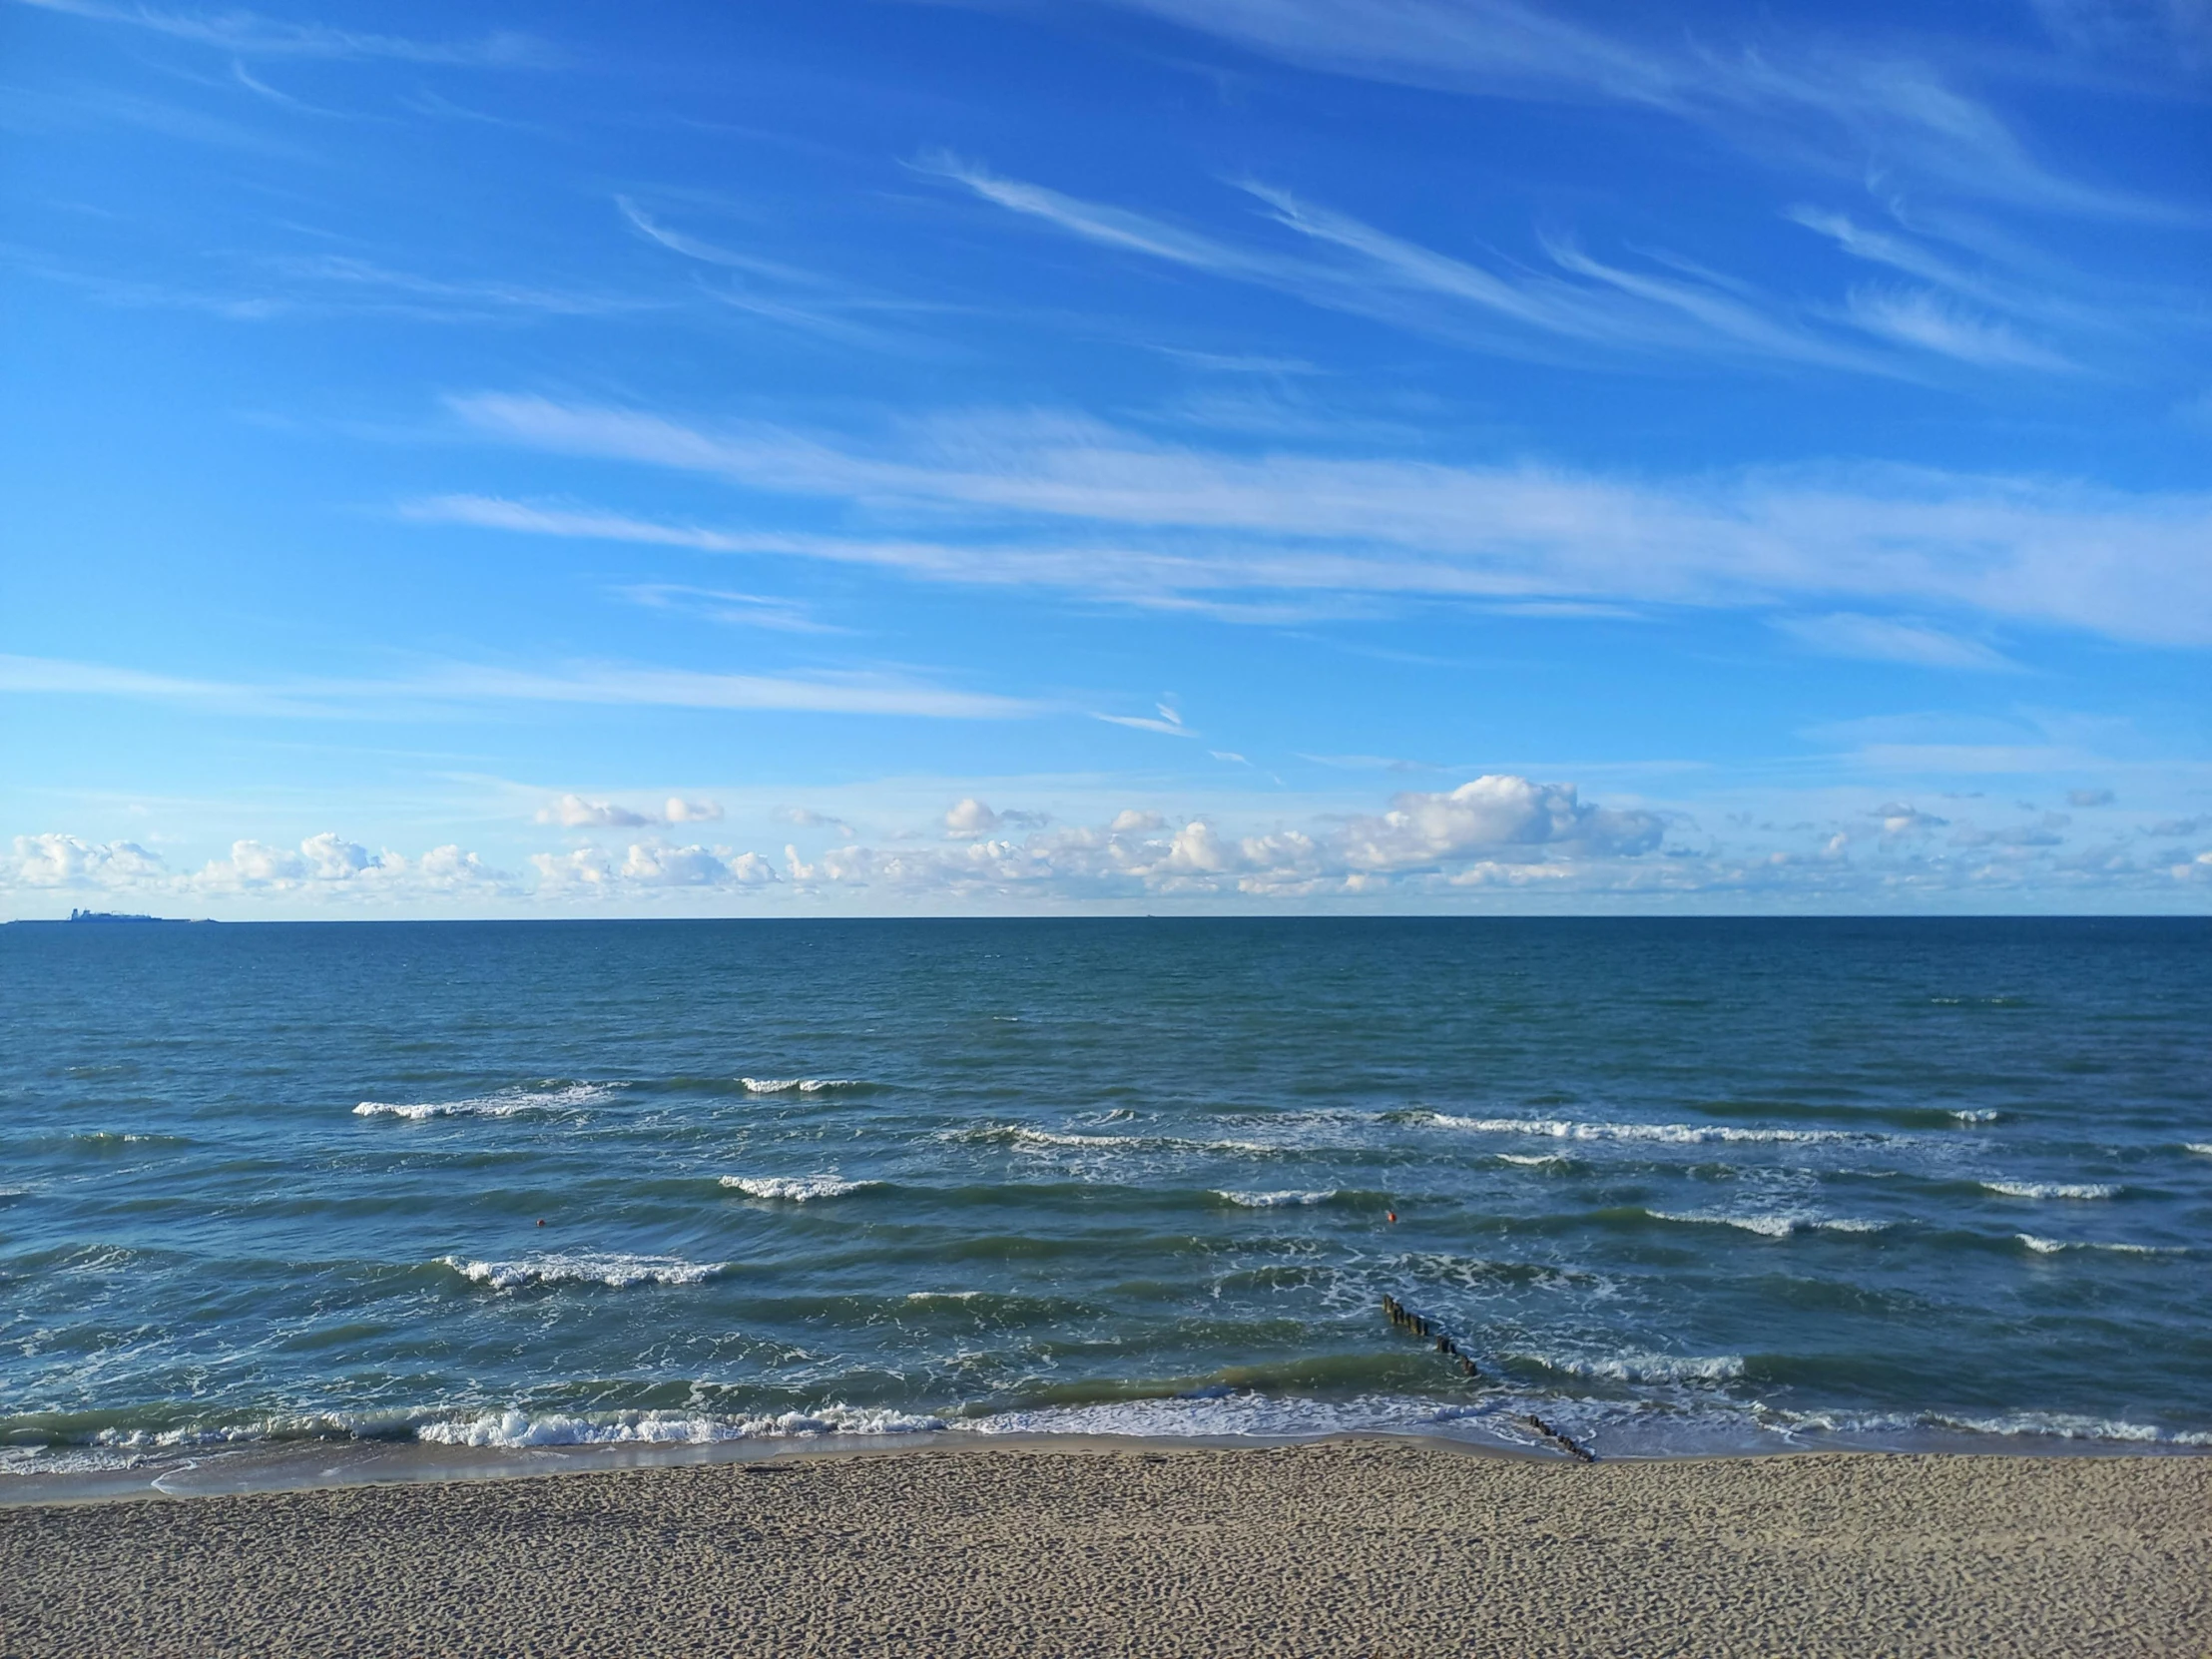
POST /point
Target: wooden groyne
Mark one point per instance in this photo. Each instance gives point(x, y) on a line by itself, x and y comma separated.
point(1428, 1329)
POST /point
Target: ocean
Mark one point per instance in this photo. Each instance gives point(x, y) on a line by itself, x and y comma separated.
point(1670, 1187)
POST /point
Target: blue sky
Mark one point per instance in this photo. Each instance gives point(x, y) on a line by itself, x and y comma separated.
point(1257, 456)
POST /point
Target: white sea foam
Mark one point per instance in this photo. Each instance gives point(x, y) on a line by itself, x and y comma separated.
point(1532, 1159)
point(2049, 1189)
point(796, 1189)
point(504, 1104)
point(616, 1272)
point(1680, 1134)
point(519, 1429)
point(1215, 1413)
point(2069, 1426)
point(1275, 1200)
point(1045, 1137)
point(64, 1460)
point(796, 1085)
point(2051, 1247)
point(1976, 1115)
point(1650, 1367)
point(943, 1296)
point(1770, 1225)
point(1046, 1140)
point(319, 1426)
point(2203, 1148)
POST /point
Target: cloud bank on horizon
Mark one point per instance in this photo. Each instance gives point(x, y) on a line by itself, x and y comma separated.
point(1207, 454)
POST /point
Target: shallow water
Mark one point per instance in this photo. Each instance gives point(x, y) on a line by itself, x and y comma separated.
point(1675, 1186)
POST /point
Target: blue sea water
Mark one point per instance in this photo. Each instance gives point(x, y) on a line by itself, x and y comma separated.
point(1676, 1186)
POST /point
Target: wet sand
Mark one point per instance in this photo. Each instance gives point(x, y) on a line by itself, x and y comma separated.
point(1362, 1547)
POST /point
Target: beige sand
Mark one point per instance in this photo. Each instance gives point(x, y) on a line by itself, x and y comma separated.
point(1356, 1548)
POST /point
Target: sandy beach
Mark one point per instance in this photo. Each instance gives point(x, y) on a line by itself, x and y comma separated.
point(1364, 1547)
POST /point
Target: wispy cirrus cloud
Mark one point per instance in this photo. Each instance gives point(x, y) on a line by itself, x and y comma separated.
point(773, 290)
point(1894, 640)
point(464, 682)
point(1167, 728)
point(251, 34)
point(1790, 99)
point(741, 610)
point(1924, 319)
point(1579, 303)
point(293, 287)
point(1051, 502)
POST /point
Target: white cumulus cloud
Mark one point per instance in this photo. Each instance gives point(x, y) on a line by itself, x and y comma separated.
point(573, 811)
point(55, 861)
point(969, 816)
point(649, 864)
point(327, 865)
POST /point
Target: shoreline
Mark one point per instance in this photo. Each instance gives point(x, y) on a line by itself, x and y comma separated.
point(1360, 1544)
point(250, 1467)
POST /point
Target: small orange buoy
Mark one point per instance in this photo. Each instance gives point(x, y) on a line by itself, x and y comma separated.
point(1393, 1214)
point(541, 1223)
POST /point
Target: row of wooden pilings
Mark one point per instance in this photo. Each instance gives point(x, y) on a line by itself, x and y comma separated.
point(1420, 1325)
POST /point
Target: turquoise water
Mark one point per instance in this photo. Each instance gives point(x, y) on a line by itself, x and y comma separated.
point(1676, 1186)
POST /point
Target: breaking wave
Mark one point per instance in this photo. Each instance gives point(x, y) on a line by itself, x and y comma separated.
point(797, 1085)
point(1276, 1201)
point(519, 1429)
point(1771, 1226)
point(616, 1272)
point(2051, 1247)
point(2049, 1189)
point(1680, 1134)
point(796, 1189)
point(1042, 1140)
point(2067, 1425)
point(1647, 1368)
point(503, 1104)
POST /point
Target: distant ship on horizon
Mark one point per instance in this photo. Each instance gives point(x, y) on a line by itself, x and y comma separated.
point(118, 916)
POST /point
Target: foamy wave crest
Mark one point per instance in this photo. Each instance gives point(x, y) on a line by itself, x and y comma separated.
point(1223, 1413)
point(2203, 1148)
point(1769, 1226)
point(1532, 1160)
point(1650, 1367)
point(504, 1104)
point(1680, 1134)
point(1046, 1140)
point(796, 1189)
point(616, 1272)
point(1976, 1115)
point(2049, 1189)
point(519, 1429)
point(2051, 1247)
point(2069, 1426)
point(1276, 1201)
point(796, 1085)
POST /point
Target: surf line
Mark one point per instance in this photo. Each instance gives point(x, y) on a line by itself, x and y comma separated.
point(1420, 1325)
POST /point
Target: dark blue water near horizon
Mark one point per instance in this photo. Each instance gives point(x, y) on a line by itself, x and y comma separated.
point(1676, 1185)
